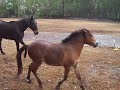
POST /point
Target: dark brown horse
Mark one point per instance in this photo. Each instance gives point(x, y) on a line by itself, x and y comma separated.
point(14, 30)
point(64, 54)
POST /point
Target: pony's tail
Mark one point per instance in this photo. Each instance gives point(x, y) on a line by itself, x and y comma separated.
point(25, 54)
point(18, 56)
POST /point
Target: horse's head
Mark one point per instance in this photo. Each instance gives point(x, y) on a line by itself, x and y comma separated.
point(33, 25)
point(89, 38)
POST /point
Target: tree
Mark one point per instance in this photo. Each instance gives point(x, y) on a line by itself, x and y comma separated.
point(98, 9)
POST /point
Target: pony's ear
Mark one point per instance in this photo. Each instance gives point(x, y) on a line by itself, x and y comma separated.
point(84, 32)
point(32, 17)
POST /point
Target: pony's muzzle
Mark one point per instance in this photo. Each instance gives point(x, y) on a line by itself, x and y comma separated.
point(95, 44)
point(36, 32)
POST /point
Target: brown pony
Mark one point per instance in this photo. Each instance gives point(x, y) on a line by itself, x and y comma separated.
point(64, 54)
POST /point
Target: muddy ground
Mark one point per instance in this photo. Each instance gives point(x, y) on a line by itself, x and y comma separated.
point(99, 67)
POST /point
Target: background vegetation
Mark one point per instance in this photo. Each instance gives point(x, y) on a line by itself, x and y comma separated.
point(94, 9)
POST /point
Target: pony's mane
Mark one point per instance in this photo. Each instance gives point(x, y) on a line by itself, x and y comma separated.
point(24, 19)
point(74, 35)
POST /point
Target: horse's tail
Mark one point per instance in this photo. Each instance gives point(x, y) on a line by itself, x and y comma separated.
point(18, 56)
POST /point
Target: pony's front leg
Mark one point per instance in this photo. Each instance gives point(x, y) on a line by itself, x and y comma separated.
point(66, 72)
point(19, 64)
point(20, 69)
point(76, 67)
point(17, 45)
point(22, 42)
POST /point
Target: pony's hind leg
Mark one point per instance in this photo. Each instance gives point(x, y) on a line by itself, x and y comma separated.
point(66, 72)
point(29, 72)
point(34, 67)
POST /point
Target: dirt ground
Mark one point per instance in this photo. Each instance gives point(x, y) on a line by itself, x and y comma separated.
point(69, 25)
point(99, 67)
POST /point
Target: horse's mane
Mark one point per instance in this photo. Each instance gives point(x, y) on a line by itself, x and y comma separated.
point(74, 35)
point(24, 19)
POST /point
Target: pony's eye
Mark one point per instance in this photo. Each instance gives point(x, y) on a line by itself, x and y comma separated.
point(90, 35)
point(35, 23)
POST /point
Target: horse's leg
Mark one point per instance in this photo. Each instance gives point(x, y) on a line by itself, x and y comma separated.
point(1, 47)
point(34, 67)
point(18, 62)
point(66, 72)
point(17, 45)
point(20, 68)
point(78, 76)
point(22, 42)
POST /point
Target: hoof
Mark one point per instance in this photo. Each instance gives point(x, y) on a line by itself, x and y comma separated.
point(82, 87)
point(29, 81)
point(3, 53)
point(18, 77)
point(57, 88)
point(40, 86)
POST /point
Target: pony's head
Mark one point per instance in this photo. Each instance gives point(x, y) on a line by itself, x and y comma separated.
point(82, 35)
point(89, 38)
point(32, 24)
